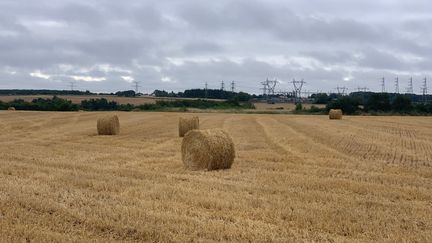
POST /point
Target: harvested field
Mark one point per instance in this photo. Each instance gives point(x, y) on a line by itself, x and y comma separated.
point(295, 178)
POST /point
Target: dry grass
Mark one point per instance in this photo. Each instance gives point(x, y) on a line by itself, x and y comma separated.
point(295, 178)
point(335, 114)
point(186, 124)
point(211, 149)
point(108, 125)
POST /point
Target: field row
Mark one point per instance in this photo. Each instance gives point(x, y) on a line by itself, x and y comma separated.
point(298, 178)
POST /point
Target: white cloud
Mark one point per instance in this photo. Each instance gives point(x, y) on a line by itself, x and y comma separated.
point(127, 78)
point(167, 79)
point(38, 74)
point(107, 68)
point(88, 78)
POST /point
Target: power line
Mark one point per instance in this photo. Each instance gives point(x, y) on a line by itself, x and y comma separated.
point(264, 88)
point(308, 93)
point(269, 87)
point(137, 86)
point(232, 86)
point(72, 85)
point(397, 85)
point(222, 85)
point(424, 89)
point(362, 89)
point(205, 90)
point(272, 86)
point(341, 90)
point(383, 90)
point(298, 85)
point(410, 88)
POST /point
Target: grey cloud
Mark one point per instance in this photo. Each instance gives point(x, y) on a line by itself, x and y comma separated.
point(380, 60)
point(200, 47)
point(218, 40)
point(330, 57)
point(78, 13)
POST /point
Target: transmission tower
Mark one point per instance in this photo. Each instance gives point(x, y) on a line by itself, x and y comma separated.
point(341, 90)
point(269, 87)
point(72, 85)
point(205, 90)
point(298, 85)
point(222, 85)
point(137, 86)
point(383, 85)
point(308, 93)
point(285, 94)
point(232, 86)
point(362, 89)
point(264, 88)
point(424, 89)
point(410, 88)
point(397, 85)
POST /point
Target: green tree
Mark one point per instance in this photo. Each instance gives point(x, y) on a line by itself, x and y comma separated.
point(402, 103)
point(347, 104)
point(127, 93)
point(99, 105)
point(378, 102)
point(321, 98)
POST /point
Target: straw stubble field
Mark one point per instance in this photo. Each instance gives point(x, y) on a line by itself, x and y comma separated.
point(298, 178)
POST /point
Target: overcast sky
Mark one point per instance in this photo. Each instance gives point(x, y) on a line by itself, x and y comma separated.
point(180, 44)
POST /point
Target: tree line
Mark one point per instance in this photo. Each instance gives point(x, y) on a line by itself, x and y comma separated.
point(354, 103)
point(43, 92)
point(102, 104)
point(190, 93)
point(126, 93)
point(206, 94)
point(379, 103)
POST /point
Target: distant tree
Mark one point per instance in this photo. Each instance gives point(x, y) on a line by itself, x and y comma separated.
point(3, 105)
point(43, 92)
point(160, 93)
point(423, 108)
point(347, 104)
point(127, 93)
point(54, 104)
point(214, 94)
point(99, 105)
point(320, 98)
point(402, 103)
point(378, 102)
point(243, 97)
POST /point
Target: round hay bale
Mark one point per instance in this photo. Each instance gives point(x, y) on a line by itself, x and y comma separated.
point(207, 149)
point(335, 114)
point(108, 125)
point(11, 108)
point(187, 124)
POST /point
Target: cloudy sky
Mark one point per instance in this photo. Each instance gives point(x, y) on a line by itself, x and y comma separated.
point(180, 44)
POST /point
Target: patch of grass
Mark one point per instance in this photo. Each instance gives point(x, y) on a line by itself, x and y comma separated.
point(313, 110)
